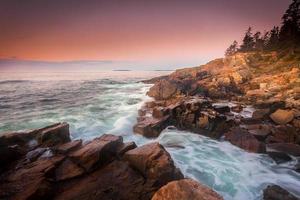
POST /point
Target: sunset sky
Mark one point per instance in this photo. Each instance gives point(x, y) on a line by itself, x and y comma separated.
point(143, 32)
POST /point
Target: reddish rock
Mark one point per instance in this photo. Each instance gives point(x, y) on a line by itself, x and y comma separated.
point(154, 162)
point(67, 169)
point(260, 113)
point(68, 147)
point(126, 147)
point(284, 134)
point(276, 192)
point(243, 139)
point(186, 189)
point(162, 90)
point(237, 108)
point(96, 152)
point(151, 127)
point(282, 116)
point(54, 134)
point(159, 112)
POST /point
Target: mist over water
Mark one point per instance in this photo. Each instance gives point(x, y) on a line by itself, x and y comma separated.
point(94, 103)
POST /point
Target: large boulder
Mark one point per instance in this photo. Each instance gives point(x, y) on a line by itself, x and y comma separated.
point(97, 151)
point(275, 192)
point(245, 140)
point(185, 189)
point(154, 162)
point(282, 116)
point(162, 90)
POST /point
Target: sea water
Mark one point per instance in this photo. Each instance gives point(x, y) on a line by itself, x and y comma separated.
point(94, 103)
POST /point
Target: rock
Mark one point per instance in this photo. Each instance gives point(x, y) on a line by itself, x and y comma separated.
point(243, 139)
point(154, 162)
point(260, 113)
point(284, 134)
point(54, 134)
point(67, 169)
point(159, 112)
point(260, 134)
point(221, 108)
point(276, 192)
point(282, 116)
point(9, 154)
point(35, 154)
point(126, 147)
point(142, 112)
point(237, 108)
point(288, 148)
point(278, 157)
point(68, 147)
point(296, 123)
point(96, 152)
point(185, 189)
point(162, 90)
point(151, 127)
point(203, 121)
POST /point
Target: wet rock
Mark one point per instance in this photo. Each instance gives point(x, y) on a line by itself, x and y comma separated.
point(185, 189)
point(283, 134)
point(260, 134)
point(288, 148)
point(243, 139)
point(151, 127)
point(126, 147)
point(221, 108)
point(275, 192)
point(67, 169)
point(96, 152)
point(54, 134)
point(237, 108)
point(154, 162)
point(68, 147)
point(278, 157)
point(260, 113)
point(9, 154)
point(282, 116)
point(35, 154)
point(162, 90)
point(159, 112)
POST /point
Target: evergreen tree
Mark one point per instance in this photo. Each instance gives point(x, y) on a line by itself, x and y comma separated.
point(232, 49)
point(290, 30)
point(258, 41)
point(248, 41)
point(273, 41)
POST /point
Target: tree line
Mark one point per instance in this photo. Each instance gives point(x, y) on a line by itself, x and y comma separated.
point(285, 37)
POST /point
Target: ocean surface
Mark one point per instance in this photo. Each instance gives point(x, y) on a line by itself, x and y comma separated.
point(94, 103)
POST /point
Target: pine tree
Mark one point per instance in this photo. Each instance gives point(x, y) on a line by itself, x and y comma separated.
point(273, 40)
point(290, 30)
point(258, 41)
point(232, 49)
point(248, 41)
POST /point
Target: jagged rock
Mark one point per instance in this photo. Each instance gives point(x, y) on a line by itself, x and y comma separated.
point(154, 162)
point(162, 90)
point(185, 189)
point(54, 135)
point(96, 152)
point(126, 147)
point(159, 112)
point(283, 134)
point(151, 127)
point(282, 116)
point(260, 113)
point(221, 108)
point(275, 192)
point(243, 139)
point(288, 148)
point(237, 108)
point(67, 147)
point(68, 169)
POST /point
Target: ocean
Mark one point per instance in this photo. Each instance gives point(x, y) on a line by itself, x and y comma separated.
point(94, 103)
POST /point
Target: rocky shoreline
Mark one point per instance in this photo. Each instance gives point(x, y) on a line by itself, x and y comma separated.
point(228, 99)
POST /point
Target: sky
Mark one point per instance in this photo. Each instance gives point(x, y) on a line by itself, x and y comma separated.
point(136, 33)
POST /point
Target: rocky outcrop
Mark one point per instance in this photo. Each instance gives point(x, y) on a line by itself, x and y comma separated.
point(282, 116)
point(104, 168)
point(163, 90)
point(275, 192)
point(186, 189)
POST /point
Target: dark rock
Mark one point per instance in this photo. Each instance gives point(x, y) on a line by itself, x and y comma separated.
point(288, 148)
point(276, 192)
point(261, 133)
point(96, 152)
point(186, 189)
point(284, 134)
point(243, 139)
point(35, 154)
point(154, 162)
point(237, 108)
point(279, 157)
point(54, 134)
point(151, 127)
point(126, 147)
point(260, 113)
point(67, 169)
point(68, 147)
point(221, 108)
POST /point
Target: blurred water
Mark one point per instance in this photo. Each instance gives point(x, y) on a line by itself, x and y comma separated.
point(95, 103)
